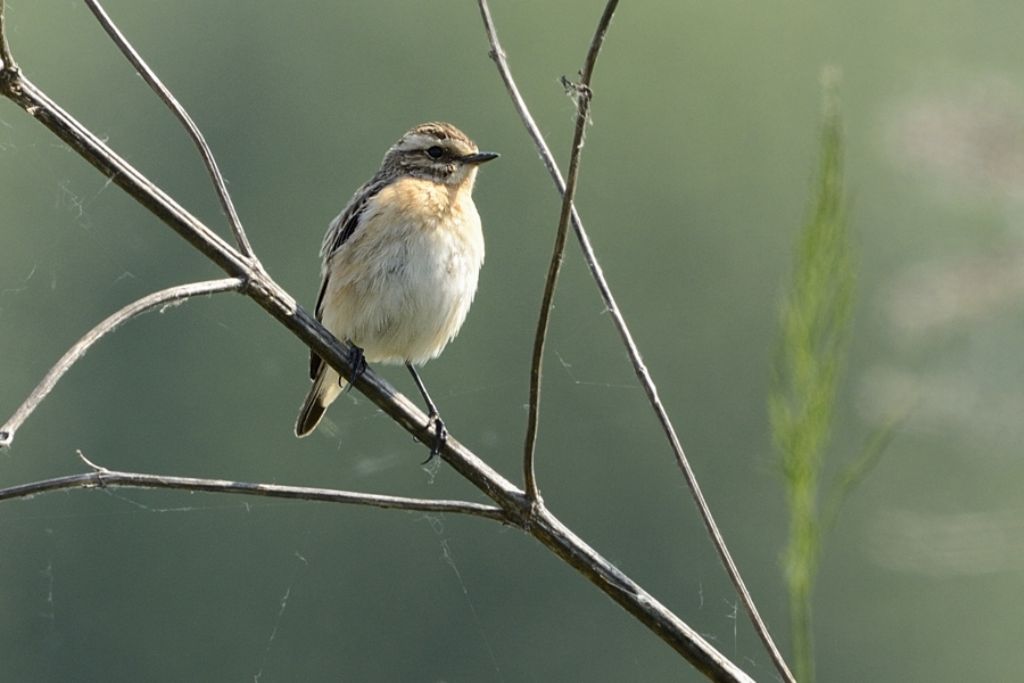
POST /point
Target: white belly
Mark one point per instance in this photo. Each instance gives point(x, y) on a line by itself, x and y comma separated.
point(403, 299)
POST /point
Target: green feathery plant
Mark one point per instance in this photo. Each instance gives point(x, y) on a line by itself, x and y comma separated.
point(814, 328)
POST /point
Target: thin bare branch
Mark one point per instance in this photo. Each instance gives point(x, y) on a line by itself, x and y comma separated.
point(262, 289)
point(101, 477)
point(644, 376)
point(165, 297)
point(497, 54)
point(582, 94)
point(179, 112)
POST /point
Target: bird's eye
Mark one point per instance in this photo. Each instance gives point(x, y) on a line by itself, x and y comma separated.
point(435, 152)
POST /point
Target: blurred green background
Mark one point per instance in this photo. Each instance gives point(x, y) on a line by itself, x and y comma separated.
point(695, 181)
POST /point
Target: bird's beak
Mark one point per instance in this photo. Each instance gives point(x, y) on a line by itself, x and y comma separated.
point(479, 157)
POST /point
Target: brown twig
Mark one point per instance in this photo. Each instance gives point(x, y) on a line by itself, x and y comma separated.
point(179, 112)
point(165, 297)
point(101, 477)
point(582, 94)
point(643, 374)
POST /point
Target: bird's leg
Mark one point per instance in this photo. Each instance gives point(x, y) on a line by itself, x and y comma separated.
point(358, 362)
point(432, 415)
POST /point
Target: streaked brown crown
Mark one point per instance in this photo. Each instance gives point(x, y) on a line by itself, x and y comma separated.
point(435, 151)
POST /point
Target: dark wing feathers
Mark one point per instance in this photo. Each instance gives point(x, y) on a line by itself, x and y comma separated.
point(340, 229)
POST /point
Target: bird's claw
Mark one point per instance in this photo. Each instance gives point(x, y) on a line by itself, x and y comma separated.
point(358, 362)
point(440, 436)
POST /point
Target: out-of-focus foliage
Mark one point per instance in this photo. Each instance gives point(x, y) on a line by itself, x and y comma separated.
point(814, 332)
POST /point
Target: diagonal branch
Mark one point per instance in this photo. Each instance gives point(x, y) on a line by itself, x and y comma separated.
point(643, 374)
point(179, 112)
point(101, 477)
point(165, 297)
point(582, 95)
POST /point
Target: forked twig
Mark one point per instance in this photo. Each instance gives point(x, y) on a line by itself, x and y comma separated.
point(501, 61)
point(179, 112)
point(582, 95)
point(164, 297)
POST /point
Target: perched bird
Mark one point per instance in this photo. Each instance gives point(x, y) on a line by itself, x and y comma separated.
point(400, 263)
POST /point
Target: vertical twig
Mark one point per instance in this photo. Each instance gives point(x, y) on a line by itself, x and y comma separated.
point(582, 95)
point(6, 57)
point(644, 376)
point(179, 112)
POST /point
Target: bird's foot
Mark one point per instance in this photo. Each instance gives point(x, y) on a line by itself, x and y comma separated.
point(440, 436)
point(358, 362)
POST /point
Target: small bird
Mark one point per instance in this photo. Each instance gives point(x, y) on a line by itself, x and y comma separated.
point(400, 264)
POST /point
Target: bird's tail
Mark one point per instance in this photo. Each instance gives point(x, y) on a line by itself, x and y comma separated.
point(322, 394)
